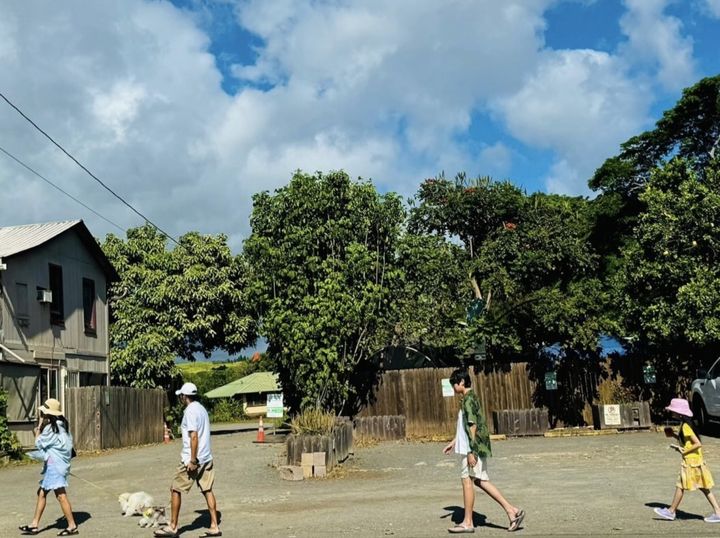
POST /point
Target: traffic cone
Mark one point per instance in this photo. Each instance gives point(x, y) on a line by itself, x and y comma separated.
point(260, 432)
point(166, 434)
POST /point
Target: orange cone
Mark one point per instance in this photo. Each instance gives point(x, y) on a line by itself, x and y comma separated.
point(261, 432)
point(166, 434)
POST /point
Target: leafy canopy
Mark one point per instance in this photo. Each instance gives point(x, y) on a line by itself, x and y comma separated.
point(173, 303)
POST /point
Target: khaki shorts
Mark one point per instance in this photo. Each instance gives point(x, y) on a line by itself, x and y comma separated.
point(479, 471)
point(203, 475)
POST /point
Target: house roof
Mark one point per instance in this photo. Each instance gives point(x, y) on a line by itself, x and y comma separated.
point(17, 239)
point(253, 383)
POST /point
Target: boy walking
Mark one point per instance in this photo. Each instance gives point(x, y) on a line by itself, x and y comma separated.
point(472, 444)
point(196, 464)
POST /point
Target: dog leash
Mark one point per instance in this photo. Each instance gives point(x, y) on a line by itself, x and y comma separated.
point(93, 484)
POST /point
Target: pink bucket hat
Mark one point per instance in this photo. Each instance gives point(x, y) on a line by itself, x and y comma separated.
point(680, 406)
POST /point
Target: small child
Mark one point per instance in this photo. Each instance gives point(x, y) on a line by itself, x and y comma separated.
point(694, 474)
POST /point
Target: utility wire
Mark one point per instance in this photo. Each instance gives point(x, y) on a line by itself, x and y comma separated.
point(46, 180)
point(88, 171)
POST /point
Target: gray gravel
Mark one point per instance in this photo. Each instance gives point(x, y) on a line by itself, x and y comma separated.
point(583, 486)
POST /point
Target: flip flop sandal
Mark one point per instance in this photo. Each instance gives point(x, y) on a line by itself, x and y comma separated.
point(208, 534)
point(515, 523)
point(166, 531)
point(68, 532)
point(461, 529)
point(27, 529)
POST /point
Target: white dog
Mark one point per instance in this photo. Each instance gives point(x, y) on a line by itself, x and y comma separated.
point(135, 503)
point(153, 517)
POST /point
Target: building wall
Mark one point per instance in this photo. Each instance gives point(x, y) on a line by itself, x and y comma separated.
point(37, 338)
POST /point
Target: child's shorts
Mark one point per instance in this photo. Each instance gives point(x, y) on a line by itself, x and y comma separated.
point(479, 471)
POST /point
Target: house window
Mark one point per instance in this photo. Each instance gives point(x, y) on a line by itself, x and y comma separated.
point(48, 387)
point(57, 307)
point(22, 312)
point(89, 314)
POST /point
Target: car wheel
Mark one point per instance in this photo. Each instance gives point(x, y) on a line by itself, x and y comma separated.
point(701, 416)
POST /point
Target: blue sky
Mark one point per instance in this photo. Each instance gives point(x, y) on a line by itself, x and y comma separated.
point(189, 107)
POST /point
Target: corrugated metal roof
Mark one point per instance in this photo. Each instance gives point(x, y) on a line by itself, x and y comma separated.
point(16, 239)
point(253, 383)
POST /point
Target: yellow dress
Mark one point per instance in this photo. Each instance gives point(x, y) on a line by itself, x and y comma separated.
point(694, 474)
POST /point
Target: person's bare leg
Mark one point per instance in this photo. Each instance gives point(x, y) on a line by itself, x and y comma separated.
point(710, 496)
point(212, 509)
point(468, 501)
point(39, 507)
point(676, 499)
point(175, 502)
point(65, 507)
point(489, 488)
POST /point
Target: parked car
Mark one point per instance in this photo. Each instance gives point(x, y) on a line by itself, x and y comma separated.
point(705, 391)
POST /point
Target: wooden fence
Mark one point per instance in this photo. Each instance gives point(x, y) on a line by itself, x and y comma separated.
point(417, 394)
point(379, 428)
point(113, 417)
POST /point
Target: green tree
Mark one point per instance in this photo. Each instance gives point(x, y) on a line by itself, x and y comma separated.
point(668, 287)
point(690, 130)
point(322, 250)
point(174, 303)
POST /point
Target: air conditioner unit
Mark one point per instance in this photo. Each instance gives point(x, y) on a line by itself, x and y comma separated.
point(44, 296)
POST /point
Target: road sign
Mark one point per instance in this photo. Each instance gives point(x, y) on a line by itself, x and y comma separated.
point(275, 405)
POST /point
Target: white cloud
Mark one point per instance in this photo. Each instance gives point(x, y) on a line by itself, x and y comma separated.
point(713, 6)
point(494, 160)
point(581, 104)
point(657, 38)
point(381, 89)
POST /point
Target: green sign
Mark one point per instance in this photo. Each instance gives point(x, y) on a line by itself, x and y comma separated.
point(475, 309)
point(649, 374)
point(550, 381)
point(275, 405)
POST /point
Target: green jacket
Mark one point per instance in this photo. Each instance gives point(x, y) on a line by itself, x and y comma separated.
point(473, 414)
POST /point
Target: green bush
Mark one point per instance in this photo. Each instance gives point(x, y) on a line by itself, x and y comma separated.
point(227, 410)
point(9, 443)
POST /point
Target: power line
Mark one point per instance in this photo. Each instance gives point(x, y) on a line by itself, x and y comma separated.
point(50, 138)
point(46, 180)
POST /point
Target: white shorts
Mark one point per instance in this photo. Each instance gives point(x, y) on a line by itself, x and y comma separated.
point(479, 471)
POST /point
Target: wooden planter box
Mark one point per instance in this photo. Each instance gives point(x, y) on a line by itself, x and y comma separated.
point(337, 445)
point(518, 422)
point(622, 416)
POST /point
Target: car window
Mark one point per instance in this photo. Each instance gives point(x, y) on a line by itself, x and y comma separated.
point(714, 371)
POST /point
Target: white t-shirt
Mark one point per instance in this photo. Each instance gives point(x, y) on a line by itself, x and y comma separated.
point(196, 419)
point(462, 444)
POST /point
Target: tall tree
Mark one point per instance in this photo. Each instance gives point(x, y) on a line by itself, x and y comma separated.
point(322, 250)
point(668, 289)
point(690, 130)
point(174, 303)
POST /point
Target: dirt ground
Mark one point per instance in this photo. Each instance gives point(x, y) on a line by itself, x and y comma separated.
point(584, 486)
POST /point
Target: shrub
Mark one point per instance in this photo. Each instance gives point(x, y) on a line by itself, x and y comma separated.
point(227, 410)
point(9, 443)
point(313, 421)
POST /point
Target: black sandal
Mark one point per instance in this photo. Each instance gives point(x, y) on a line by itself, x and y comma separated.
point(68, 532)
point(27, 529)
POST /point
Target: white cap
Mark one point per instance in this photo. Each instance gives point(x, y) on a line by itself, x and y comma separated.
point(188, 389)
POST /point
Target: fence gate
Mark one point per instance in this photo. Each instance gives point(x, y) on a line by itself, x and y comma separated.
point(104, 417)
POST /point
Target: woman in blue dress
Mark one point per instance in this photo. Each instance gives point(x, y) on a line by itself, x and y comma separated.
point(54, 448)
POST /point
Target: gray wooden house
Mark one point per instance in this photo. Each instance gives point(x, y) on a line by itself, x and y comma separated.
point(53, 316)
